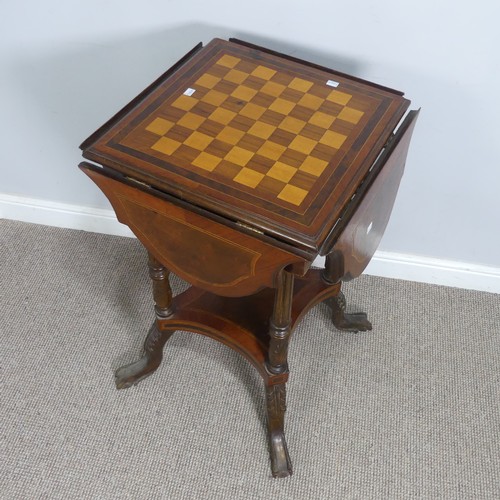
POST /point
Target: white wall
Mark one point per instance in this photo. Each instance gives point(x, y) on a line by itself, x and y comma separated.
point(66, 66)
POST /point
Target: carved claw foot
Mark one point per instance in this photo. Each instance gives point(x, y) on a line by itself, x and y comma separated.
point(353, 322)
point(132, 374)
point(281, 465)
point(356, 322)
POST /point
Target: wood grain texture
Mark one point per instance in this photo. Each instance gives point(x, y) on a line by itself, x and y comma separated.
point(242, 323)
point(366, 225)
point(203, 252)
point(255, 137)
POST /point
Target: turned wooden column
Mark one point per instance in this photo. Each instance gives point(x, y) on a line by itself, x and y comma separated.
point(334, 268)
point(279, 325)
point(162, 293)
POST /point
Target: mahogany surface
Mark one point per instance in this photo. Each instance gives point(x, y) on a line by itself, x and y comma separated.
point(236, 169)
point(370, 210)
point(276, 144)
point(203, 252)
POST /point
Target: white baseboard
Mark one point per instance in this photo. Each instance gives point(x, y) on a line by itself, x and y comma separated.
point(436, 271)
point(386, 264)
point(51, 213)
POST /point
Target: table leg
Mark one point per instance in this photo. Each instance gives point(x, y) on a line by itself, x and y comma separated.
point(131, 374)
point(277, 364)
point(354, 322)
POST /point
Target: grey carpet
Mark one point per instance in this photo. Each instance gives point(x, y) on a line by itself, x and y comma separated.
point(409, 410)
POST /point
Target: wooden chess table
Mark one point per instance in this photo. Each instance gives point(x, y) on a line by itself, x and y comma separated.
point(236, 169)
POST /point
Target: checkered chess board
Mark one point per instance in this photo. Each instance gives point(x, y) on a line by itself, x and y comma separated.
point(252, 127)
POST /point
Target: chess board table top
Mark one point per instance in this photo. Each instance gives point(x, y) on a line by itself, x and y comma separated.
point(272, 142)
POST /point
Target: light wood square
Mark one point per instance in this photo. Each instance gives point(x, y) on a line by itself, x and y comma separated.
point(207, 81)
point(282, 106)
point(313, 166)
point(165, 145)
point(321, 119)
point(281, 171)
point(239, 156)
point(339, 97)
point(263, 72)
point(159, 126)
point(245, 93)
point(300, 84)
point(236, 76)
point(292, 125)
point(191, 121)
point(184, 102)
point(206, 161)
point(214, 97)
point(293, 194)
point(199, 141)
point(262, 130)
point(228, 61)
point(249, 177)
point(311, 101)
point(333, 139)
point(221, 115)
point(252, 111)
point(350, 115)
point(271, 150)
point(230, 135)
point(303, 144)
point(273, 88)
